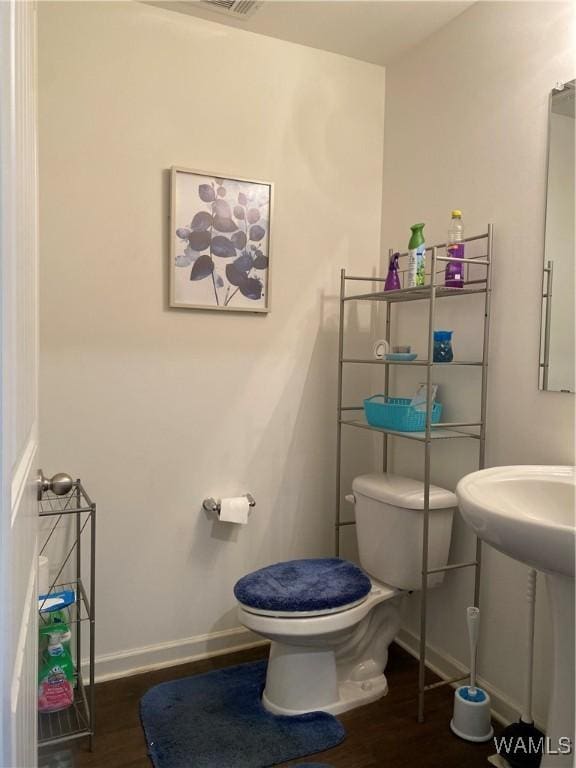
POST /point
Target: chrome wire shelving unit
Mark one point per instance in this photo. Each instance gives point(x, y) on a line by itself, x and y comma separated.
point(77, 721)
point(479, 282)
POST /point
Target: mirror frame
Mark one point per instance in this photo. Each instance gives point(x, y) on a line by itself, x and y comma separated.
point(548, 265)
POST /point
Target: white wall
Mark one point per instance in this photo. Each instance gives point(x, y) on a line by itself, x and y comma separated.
point(466, 124)
point(157, 408)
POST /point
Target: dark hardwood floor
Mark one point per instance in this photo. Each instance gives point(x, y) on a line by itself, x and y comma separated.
point(380, 735)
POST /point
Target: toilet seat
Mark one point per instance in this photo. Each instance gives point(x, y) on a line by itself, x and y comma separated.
point(302, 614)
point(321, 624)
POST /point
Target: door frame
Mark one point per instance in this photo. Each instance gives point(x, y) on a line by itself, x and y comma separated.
point(18, 382)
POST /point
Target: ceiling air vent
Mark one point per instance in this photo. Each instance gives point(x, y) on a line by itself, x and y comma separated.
point(239, 9)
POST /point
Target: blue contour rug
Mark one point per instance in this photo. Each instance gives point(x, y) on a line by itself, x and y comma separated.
point(216, 720)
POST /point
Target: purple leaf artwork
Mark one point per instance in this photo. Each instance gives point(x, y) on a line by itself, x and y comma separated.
point(220, 242)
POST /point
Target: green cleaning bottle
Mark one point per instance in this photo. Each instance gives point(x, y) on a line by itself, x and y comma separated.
point(416, 257)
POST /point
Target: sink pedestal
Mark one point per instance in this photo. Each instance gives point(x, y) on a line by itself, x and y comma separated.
point(561, 712)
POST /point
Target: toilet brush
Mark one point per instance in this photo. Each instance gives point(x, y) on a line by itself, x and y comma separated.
point(471, 720)
point(521, 742)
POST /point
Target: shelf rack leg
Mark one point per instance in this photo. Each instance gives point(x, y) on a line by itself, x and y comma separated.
point(484, 395)
point(78, 659)
point(426, 511)
point(338, 499)
point(92, 622)
point(387, 375)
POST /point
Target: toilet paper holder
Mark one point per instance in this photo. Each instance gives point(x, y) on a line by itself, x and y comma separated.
point(211, 505)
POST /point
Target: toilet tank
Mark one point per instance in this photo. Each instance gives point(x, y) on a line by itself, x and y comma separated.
point(389, 522)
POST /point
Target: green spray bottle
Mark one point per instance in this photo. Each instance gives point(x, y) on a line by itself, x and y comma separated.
point(416, 257)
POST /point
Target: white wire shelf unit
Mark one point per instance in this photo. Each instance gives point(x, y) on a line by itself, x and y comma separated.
point(77, 721)
point(479, 282)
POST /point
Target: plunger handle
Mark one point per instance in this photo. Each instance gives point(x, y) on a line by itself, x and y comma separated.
point(473, 617)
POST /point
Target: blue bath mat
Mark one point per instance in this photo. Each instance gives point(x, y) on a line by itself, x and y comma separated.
point(216, 720)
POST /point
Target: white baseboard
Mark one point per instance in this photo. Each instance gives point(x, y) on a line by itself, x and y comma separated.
point(447, 667)
point(110, 666)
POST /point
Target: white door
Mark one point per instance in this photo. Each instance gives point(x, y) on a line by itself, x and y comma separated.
point(18, 383)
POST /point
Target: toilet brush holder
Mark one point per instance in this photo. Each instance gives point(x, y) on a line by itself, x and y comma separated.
point(471, 720)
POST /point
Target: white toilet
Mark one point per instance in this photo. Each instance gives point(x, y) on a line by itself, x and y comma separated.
point(330, 622)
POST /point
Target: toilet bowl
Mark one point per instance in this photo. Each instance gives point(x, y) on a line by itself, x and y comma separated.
point(331, 622)
point(330, 660)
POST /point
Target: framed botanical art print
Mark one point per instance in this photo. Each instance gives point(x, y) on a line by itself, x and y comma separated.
point(219, 242)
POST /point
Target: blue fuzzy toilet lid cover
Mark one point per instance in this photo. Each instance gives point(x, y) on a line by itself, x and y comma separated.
point(316, 584)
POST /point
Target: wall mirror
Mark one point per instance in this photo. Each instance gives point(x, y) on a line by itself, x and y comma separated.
point(557, 337)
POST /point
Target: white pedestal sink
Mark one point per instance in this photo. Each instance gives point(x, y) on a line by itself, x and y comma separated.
point(528, 513)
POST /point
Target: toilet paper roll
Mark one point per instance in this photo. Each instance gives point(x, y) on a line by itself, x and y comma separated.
point(43, 575)
point(234, 510)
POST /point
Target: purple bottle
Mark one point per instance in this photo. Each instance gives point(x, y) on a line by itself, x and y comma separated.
point(393, 278)
point(454, 275)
